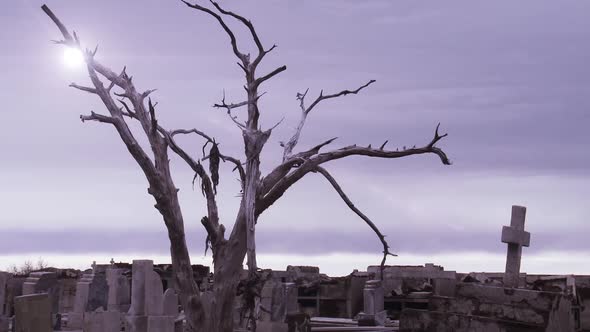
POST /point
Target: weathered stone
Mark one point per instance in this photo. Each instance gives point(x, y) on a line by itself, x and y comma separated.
point(140, 270)
point(291, 305)
point(506, 308)
point(516, 238)
point(444, 287)
point(33, 313)
point(136, 323)
point(413, 320)
point(3, 301)
point(119, 298)
point(43, 282)
point(399, 280)
point(3, 294)
point(170, 303)
point(102, 321)
point(67, 295)
point(373, 297)
point(154, 294)
point(161, 324)
point(97, 292)
point(373, 312)
point(76, 318)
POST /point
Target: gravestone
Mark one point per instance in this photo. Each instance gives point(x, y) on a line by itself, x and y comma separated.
point(170, 303)
point(161, 323)
point(154, 294)
point(119, 298)
point(91, 294)
point(280, 300)
point(3, 294)
point(147, 301)
point(516, 238)
point(32, 313)
point(373, 313)
point(140, 269)
point(3, 303)
point(43, 282)
point(76, 318)
point(102, 321)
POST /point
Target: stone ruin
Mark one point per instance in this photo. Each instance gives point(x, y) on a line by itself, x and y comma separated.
point(105, 299)
point(140, 297)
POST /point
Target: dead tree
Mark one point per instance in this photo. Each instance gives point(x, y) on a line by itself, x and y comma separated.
point(212, 310)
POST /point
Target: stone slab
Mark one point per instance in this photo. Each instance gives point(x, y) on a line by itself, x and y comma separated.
point(140, 269)
point(75, 320)
point(154, 294)
point(271, 327)
point(414, 320)
point(98, 291)
point(102, 321)
point(170, 303)
point(3, 294)
point(444, 287)
point(33, 313)
point(136, 323)
point(161, 324)
point(4, 323)
point(119, 297)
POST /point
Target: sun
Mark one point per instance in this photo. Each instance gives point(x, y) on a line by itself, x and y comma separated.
point(73, 57)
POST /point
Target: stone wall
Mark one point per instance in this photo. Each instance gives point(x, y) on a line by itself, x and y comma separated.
point(486, 308)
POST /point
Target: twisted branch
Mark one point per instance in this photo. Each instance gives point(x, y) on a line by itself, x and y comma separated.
point(273, 188)
point(290, 145)
point(368, 221)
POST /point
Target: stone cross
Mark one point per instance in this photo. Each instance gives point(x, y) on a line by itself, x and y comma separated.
point(516, 238)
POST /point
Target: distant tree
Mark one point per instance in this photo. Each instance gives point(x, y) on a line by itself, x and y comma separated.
point(212, 310)
point(28, 267)
point(41, 264)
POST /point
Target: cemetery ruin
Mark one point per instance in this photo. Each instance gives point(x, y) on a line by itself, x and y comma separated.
point(143, 297)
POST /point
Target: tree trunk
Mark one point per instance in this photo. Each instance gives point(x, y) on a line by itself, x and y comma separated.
point(213, 311)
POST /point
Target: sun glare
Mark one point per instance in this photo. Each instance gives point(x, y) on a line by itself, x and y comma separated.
point(73, 57)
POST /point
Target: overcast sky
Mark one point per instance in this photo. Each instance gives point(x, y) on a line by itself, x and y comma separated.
point(509, 82)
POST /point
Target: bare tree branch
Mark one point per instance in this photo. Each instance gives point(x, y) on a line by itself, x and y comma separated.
point(229, 32)
point(62, 28)
point(97, 117)
point(335, 95)
point(284, 168)
point(84, 88)
point(290, 145)
point(368, 221)
point(229, 108)
point(260, 80)
point(274, 187)
point(246, 22)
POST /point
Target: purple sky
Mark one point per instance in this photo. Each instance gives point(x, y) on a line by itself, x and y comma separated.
point(509, 83)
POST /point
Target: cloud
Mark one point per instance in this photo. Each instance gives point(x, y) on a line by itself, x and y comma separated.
point(414, 239)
